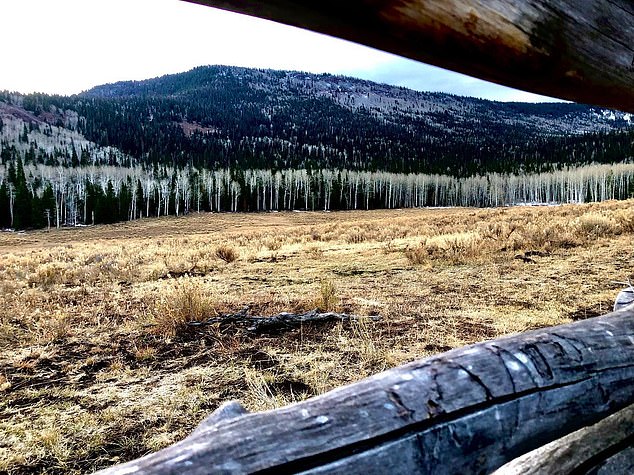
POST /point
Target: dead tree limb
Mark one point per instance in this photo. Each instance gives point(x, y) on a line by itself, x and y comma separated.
point(577, 50)
point(280, 322)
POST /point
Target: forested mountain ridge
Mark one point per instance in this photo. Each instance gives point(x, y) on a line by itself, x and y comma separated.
point(380, 100)
point(233, 139)
point(220, 116)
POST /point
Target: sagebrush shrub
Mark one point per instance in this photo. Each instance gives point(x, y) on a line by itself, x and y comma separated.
point(594, 225)
point(417, 255)
point(226, 253)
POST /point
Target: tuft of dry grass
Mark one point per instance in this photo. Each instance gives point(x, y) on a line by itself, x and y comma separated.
point(594, 225)
point(57, 327)
point(145, 352)
point(455, 247)
point(185, 303)
point(226, 253)
point(327, 300)
point(364, 340)
point(415, 255)
point(46, 276)
point(273, 244)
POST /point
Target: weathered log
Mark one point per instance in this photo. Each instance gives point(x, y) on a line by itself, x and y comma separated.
point(604, 444)
point(469, 410)
point(577, 50)
point(280, 322)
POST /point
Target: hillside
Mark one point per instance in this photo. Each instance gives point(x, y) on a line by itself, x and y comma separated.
point(218, 116)
point(50, 138)
point(234, 139)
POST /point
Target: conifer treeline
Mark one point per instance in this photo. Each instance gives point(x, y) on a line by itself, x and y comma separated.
point(224, 117)
point(37, 195)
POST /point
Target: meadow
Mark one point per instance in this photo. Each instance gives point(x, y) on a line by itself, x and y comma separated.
point(99, 363)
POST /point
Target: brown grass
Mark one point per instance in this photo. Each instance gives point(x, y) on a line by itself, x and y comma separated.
point(328, 300)
point(94, 322)
point(186, 302)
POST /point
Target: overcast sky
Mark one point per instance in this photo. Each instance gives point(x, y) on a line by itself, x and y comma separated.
point(67, 46)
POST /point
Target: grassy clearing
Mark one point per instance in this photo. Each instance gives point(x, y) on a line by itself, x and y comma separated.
point(93, 322)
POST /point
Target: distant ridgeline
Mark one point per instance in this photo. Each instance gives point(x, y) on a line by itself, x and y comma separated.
point(234, 139)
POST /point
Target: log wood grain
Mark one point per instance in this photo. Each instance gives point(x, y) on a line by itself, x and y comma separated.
point(577, 50)
point(469, 410)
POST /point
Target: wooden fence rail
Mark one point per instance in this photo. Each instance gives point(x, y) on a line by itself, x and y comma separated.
point(469, 410)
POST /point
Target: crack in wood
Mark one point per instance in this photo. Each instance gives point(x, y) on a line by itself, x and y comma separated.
point(528, 370)
point(539, 360)
point(474, 377)
point(568, 340)
point(402, 410)
point(621, 6)
point(434, 409)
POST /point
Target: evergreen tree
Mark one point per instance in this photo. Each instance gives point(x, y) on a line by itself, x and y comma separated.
point(124, 203)
point(107, 206)
point(11, 172)
point(5, 215)
point(24, 136)
point(74, 160)
point(22, 208)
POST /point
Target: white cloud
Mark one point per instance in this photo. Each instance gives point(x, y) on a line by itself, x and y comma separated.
point(66, 46)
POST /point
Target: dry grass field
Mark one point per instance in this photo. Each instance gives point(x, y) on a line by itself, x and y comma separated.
point(98, 364)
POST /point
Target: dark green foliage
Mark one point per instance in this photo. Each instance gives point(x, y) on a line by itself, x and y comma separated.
point(24, 137)
point(23, 202)
point(5, 211)
point(225, 117)
point(106, 205)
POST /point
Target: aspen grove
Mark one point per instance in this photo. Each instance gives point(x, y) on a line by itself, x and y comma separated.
point(70, 196)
